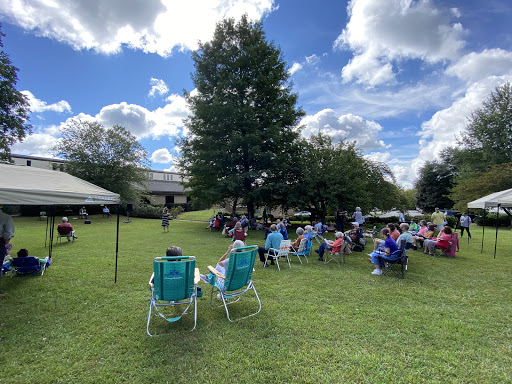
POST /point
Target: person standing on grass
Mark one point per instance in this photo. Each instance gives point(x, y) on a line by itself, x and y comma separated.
point(465, 221)
point(6, 234)
point(439, 219)
point(165, 219)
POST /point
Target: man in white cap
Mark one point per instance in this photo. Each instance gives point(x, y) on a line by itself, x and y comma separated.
point(6, 234)
point(65, 229)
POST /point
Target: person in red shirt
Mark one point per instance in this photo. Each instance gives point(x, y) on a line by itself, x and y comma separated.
point(65, 229)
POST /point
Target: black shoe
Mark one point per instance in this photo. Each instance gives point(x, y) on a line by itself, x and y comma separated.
point(265, 265)
point(317, 251)
point(320, 259)
point(272, 263)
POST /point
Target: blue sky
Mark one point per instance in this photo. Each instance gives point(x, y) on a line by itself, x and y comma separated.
point(400, 77)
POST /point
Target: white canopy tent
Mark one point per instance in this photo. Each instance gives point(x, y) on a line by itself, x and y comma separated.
point(499, 200)
point(22, 185)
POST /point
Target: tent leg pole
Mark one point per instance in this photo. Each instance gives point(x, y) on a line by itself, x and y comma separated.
point(46, 236)
point(117, 240)
point(496, 239)
point(483, 232)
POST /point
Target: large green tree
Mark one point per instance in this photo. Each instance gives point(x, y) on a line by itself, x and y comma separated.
point(242, 136)
point(111, 158)
point(489, 132)
point(14, 106)
point(335, 175)
point(433, 186)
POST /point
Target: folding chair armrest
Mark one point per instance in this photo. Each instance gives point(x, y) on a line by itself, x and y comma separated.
point(216, 273)
point(151, 280)
point(196, 276)
point(273, 251)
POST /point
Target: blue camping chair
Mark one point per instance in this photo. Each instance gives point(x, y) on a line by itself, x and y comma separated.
point(26, 265)
point(173, 283)
point(238, 278)
point(303, 250)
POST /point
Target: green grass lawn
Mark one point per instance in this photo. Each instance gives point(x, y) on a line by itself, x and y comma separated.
point(449, 320)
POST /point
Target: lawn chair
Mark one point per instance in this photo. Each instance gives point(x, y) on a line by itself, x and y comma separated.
point(401, 260)
point(174, 281)
point(283, 251)
point(238, 278)
point(303, 250)
point(338, 257)
point(450, 250)
point(26, 265)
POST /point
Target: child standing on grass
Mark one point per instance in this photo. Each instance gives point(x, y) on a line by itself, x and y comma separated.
point(165, 219)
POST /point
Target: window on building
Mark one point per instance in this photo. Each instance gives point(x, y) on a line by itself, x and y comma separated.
point(169, 199)
point(29, 163)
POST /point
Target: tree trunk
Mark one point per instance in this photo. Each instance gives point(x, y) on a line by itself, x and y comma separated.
point(233, 208)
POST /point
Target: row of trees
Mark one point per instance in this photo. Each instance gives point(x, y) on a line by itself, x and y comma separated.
point(244, 145)
point(480, 164)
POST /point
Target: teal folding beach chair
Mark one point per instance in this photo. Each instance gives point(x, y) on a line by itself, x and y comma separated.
point(303, 250)
point(238, 278)
point(173, 283)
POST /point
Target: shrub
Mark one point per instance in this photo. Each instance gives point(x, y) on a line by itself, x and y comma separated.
point(503, 220)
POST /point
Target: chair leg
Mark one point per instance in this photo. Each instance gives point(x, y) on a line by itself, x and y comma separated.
point(277, 261)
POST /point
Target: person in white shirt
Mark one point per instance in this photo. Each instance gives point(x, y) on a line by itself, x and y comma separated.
point(465, 221)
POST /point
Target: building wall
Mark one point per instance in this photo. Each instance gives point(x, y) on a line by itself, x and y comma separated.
point(161, 184)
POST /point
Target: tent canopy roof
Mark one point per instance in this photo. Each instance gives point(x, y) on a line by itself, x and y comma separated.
point(22, 185)
point(502, 198)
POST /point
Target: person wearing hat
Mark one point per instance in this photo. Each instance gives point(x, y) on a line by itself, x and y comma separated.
point(65, 229)
point(6, 234)
point(438, 219)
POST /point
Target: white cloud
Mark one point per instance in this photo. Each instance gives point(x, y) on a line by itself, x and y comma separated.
point(347, 126)
point(476, 66)
point(157, 86)
point(164, 121)
point(295, 68)
point(382, 31)
point(37, 105)
point(156, 26)
point(162, 156)
point(440, 131)
point(37, 144)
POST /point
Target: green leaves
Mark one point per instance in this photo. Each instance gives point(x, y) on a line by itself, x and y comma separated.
point(110, 158)
point(242, 119)
point(14, 107)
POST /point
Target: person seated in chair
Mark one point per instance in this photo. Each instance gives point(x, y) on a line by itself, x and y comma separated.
point(333, 246)
point(24, 253)
point(106, 211)
point(65, 229)
point(222, 264)
point(388, 253)
point(82, 213)
point(274, 239)
point(282, 230)
point(237, 233)
point(425, 233)
point(300, 233)
point(442, 241)
point(410, 242)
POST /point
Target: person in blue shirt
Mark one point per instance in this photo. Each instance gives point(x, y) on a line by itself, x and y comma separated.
point(390, 248)
point(274, 239)
point(283, 231)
